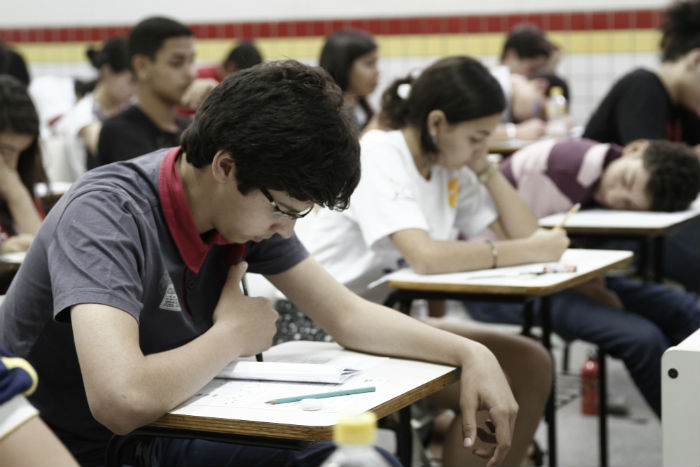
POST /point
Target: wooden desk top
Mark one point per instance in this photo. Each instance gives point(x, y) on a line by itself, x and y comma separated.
point(516, 280)
point(608, 221)
point(399, 383)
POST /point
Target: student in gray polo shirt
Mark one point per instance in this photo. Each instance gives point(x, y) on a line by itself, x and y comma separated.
point(128, 303)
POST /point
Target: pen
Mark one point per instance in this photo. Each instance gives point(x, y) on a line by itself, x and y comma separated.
point(322, 395)
point(573, 210)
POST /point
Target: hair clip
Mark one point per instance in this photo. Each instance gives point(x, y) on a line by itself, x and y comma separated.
point(403, 90)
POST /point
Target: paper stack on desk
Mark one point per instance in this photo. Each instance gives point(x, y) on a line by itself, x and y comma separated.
point(287, 371)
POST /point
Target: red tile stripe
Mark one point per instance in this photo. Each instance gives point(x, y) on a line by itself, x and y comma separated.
point(573, 21)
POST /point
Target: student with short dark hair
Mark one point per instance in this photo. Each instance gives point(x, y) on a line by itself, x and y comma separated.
point(20, 165)
point(644, 175)
point(527, 50)
point(635, 322)
point(242, 56)
point(662, 103)
point(350, 57)
point(421, 184)
point(128, 303)
point(161, 54)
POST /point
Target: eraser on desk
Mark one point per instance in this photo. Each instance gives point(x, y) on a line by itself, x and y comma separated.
point(311, 404)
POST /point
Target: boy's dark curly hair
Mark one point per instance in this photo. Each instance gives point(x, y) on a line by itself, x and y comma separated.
point(286, 127)
point(674, 175)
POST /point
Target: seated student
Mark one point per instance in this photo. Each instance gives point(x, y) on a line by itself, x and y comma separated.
point(80, 126)
point(644, 175)
point(420, 184)
point(669, 109)
point(635, 322)
point(527, 51)
point(350, 57)
point(24, 437)
point(161, 54)
point(20, 214)
point(127, 302)
point(525, 115)
point(242, 56)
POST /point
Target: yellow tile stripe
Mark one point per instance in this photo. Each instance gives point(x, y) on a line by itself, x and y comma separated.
point(428, 45)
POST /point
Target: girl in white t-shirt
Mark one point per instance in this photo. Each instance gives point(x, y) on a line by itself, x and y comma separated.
point(423, 186)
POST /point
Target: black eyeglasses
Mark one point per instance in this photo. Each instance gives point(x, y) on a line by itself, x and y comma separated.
point(289, 214)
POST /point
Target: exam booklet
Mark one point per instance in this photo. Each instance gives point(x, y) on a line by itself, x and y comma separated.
point(287, 371)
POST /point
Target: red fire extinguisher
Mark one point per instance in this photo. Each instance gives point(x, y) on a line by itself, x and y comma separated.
point(589, 386)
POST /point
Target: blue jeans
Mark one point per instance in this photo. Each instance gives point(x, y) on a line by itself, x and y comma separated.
point(188, 452)
point(654, 318)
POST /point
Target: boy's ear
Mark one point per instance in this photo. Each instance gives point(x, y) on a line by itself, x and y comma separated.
point(223, 167)
point(140, 65)
point(692, 59)
point(636, 147)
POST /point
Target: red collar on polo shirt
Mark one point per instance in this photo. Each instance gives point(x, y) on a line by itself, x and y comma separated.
point(193, 249)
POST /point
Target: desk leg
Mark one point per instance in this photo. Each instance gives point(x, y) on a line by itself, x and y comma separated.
point(602, 409)
point(404, 441)
point(644, 262)
point(550, 414)
point(659, 258)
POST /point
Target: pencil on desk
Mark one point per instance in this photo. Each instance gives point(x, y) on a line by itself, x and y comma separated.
point(322, 395)
point(574, 209)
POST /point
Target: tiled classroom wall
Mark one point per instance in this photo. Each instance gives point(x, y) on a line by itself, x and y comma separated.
point(601, 40)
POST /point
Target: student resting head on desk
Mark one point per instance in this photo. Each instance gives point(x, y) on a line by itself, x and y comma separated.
point(421, 184)
point(629, 320)
point(20, 166)
point(128, 303)
point(525, 116)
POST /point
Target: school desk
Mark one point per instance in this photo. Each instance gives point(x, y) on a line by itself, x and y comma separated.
point(519, 284)
point(627, 225)
point(235, 411)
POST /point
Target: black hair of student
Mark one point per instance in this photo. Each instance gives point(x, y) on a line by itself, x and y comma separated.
point(553, 80)
point(13, 64)
point(459, 86)
point(18, 115)
point(680, 30)
point(286, 127)
point(114, 52)
point(340, 51)
point(244, 55)
point(528, 41)
point(674, 175)
point(148, 36)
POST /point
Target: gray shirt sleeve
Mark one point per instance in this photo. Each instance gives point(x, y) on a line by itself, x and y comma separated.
point(96, 256)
